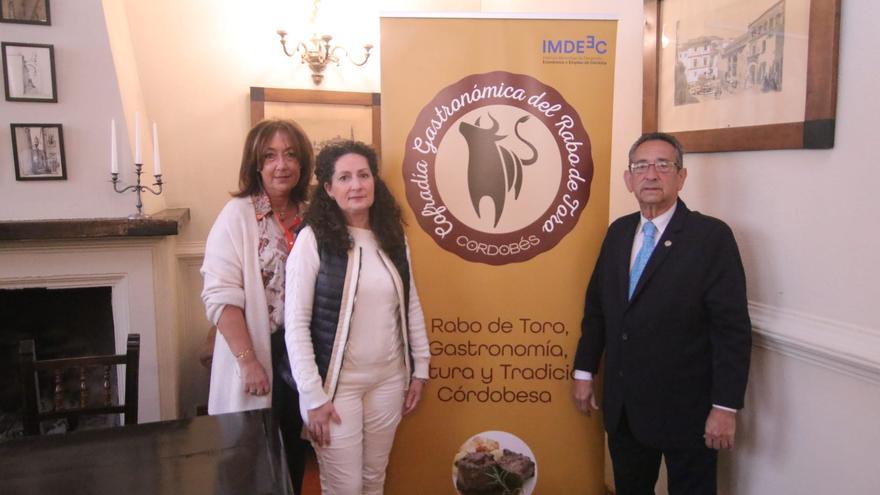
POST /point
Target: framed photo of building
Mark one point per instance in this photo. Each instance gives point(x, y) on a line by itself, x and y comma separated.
point(324, 115)
point(38, 152)
point(744, 75)
point(29, 72)
point(25, 11)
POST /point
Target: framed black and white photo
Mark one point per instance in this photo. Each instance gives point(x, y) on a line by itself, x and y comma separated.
point(38, 152)
point(744, 75)
point(25, 11)
point(29, 72)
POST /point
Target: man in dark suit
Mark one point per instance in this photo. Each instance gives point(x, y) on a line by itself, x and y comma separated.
point(666, 306)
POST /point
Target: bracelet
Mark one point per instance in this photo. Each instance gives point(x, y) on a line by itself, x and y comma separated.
point(423, 380)
point(241, 355)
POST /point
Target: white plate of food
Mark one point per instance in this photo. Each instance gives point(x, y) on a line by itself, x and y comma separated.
point(494, 463)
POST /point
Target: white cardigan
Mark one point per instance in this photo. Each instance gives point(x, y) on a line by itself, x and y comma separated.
point(231, 270)
point(302, 271)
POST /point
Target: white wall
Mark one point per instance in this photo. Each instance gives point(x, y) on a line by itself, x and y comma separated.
point(806, 429)
point(88, 97)
point(806, 224)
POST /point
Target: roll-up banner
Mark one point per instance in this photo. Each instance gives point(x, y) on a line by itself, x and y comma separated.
point(496, 138)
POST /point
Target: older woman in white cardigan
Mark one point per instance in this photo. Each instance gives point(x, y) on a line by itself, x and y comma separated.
point(245, 258)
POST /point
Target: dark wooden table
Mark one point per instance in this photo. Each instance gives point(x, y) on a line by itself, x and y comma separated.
point(238, 453)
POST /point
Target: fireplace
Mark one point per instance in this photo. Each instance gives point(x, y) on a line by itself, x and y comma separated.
point(67, 322)
point(130, 266)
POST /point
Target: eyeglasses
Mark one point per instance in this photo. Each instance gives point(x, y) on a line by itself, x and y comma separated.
point(662, 166)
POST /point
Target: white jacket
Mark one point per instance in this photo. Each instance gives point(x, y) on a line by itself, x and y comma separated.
point(231, 270)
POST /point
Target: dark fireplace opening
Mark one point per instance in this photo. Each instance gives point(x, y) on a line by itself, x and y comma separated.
point(62, 323)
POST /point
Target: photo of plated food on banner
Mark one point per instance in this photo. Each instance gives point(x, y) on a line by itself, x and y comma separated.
point(494, 463)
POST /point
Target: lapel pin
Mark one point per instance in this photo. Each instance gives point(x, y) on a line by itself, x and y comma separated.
point(667, 243)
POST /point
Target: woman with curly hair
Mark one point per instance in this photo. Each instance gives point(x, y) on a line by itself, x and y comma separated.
point(244, 271)
point(355, 329)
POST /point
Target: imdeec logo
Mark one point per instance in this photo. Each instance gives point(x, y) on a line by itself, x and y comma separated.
point(498, 168)
point(588, 44)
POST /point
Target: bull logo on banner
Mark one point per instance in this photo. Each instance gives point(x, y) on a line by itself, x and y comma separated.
point(502, 142)
point(493, 169)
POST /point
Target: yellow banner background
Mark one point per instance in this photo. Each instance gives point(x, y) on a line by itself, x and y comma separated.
point(420, 57)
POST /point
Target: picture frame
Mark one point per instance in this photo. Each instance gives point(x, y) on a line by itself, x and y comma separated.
point(25, 12)
point(29, 72)
point(38, 152)
point(324, 115)
point(757, 76)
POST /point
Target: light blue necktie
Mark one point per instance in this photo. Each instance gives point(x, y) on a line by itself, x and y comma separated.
point(650, 230)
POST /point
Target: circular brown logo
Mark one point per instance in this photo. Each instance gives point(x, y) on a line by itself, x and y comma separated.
point(498, 168)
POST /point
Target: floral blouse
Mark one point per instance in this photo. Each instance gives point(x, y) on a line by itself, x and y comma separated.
point(275, 243)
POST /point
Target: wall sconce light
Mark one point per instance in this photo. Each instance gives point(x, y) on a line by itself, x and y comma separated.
point(318, 53)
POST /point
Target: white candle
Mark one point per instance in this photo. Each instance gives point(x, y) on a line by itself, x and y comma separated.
point(137, 138)
point(114, 163)
point(157, 167)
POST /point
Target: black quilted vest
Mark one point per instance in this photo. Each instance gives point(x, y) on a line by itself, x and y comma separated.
point(327, 304)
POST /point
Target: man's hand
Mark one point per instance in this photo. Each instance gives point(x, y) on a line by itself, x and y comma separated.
point(584, 397)
point(720, 429)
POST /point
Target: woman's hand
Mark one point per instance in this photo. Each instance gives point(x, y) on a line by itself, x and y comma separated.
point(253, 376)
point(413, 395)
point(233, 328)
point(319, 423)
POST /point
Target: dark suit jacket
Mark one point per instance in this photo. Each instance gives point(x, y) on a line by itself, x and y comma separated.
point(682, 343)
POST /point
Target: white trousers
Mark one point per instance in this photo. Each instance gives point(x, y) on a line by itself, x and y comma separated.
point(370, 404)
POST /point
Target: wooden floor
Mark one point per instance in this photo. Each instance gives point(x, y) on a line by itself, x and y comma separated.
point(311, 482)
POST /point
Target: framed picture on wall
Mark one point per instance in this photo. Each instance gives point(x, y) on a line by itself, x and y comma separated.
point(25, 11)
point(324, 115)
point(38, 152)
point(745, 75)
point(29, 72)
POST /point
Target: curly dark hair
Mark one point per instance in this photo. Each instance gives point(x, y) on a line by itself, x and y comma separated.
point(249, 180)
point(325, 217)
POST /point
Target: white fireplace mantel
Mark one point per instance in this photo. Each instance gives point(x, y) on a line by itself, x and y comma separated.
point(139, 271)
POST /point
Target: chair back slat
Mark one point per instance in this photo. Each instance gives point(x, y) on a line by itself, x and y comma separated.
point(29, 367)
point(132, 356)
point(58, 389)
point(83, 388)
point(30, 393)
point(108, 392)
point(76, 362)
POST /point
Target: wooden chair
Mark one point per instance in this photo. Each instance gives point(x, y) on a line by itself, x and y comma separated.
point(29, 366)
